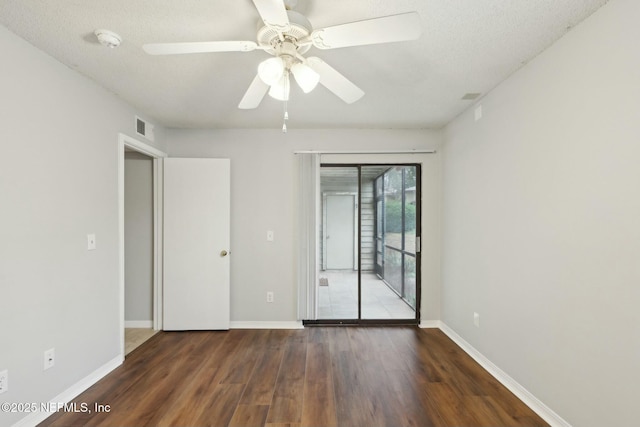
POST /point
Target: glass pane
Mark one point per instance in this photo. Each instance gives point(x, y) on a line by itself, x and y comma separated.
point(410, 280)
point(393, 269)
point(371, 245)
point(410, 209)
point(382, 284)
point(393, 207)
point(338, 277)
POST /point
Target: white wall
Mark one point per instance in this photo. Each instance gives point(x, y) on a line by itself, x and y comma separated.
point(263, 184)
point(540, 211)
point(138, 237)
point(58, 182)
point(542, 222)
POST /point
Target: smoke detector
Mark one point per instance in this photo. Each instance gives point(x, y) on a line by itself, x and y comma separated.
point(108, 38)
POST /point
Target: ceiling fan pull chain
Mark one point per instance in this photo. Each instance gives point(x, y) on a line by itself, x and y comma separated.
point(286, 114)
point(286, 117)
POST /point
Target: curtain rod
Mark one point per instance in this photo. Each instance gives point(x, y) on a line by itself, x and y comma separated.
point(366, 152)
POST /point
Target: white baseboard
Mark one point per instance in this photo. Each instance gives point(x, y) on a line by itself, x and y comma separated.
point(429, 324)
point(138, 323)
point(516, 388)
point(266, 325)
point(71, 393)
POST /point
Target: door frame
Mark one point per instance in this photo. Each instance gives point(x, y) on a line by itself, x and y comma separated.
point(157, 156)
point(378, 254)
point(356, 210)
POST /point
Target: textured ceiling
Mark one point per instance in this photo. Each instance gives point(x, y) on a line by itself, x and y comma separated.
point(467, 46)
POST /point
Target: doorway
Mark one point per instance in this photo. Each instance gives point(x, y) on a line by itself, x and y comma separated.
point(138, 248)
point(375, 280)
point(340, 216)
point(145, 311)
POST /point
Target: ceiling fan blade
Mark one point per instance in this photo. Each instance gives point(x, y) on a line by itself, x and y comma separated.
point(274, 14)
point(334, 81)
point(253, 96)
point(199, 47)
point(393, 28)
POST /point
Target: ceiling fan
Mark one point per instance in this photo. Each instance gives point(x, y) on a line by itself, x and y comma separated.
point(287, 35)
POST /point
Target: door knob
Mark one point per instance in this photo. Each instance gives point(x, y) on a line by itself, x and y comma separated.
point(224, 253)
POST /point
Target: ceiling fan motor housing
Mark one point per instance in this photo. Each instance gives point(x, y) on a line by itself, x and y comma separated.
point(300, 27)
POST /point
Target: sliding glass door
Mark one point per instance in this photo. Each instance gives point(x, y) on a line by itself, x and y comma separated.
point(369, 231)
point(338, 284)
point(396, 224)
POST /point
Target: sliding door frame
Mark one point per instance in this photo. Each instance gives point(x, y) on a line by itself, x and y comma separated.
point(418, 254)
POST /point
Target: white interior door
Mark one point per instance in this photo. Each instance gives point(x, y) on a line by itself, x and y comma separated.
point(340, 232)
point(196, 244)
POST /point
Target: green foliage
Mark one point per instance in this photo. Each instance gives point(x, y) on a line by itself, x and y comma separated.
point(393, 214)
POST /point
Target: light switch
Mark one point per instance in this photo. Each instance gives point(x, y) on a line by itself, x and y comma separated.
point(91, 242)
point(270, 236)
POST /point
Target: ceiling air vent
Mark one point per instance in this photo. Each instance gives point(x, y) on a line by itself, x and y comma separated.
point(144, 129)
point(470, 96)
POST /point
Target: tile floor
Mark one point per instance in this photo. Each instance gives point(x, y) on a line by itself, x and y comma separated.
point(339, 300)
point(134, 337)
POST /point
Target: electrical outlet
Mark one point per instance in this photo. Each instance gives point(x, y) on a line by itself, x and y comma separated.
point(476, 320)
point(49, 358)
point(4, 381)
point(269, 296)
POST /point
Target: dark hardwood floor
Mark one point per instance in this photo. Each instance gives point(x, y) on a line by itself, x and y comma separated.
point(318, 376)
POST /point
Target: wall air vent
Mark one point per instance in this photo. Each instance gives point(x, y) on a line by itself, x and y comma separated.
point(144, 128)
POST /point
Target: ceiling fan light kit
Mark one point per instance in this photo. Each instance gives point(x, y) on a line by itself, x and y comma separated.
point(281, 89)
point(274, 71)
point(287, 35)
point(306, 78)
point(271, 70)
